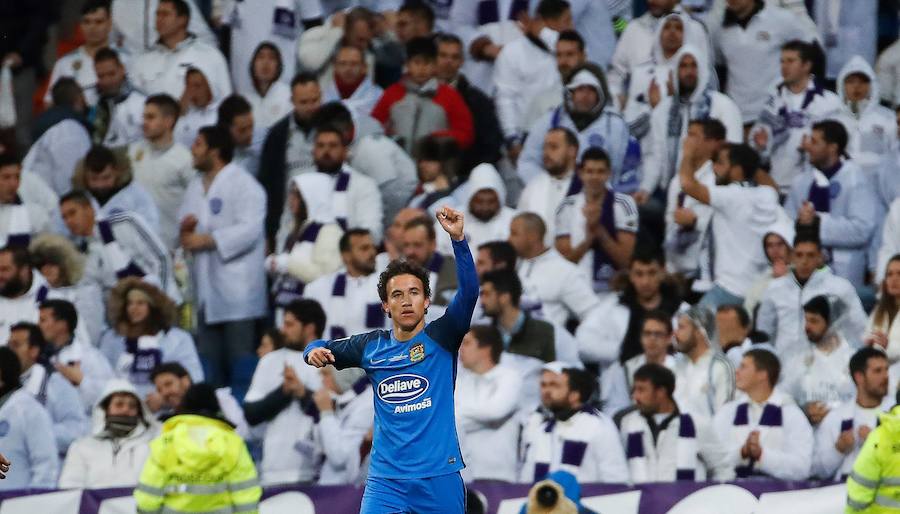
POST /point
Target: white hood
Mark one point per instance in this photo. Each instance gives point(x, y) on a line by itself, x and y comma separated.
point(215, 87)
point(118, 385)
point(783, 228)
point(656, 51)
point(484, 176)
point(702, 69)
point(857, 64)
point(316, 190)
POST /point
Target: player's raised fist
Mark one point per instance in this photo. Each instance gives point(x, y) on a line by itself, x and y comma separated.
point(320, 357)
point(452, 222)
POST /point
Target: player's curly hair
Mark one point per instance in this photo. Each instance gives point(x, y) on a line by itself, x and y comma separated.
point(398, 267)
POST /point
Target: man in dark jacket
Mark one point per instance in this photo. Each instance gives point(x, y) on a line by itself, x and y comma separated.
point(24, 28)
point(488, 136)
point(288, 148)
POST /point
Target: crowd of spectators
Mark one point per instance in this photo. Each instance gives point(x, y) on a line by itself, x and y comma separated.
point(685, 217)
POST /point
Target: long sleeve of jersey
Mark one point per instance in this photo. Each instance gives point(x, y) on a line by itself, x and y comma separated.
point(448, 330)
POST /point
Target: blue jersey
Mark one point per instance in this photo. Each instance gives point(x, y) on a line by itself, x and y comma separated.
point(415, 427)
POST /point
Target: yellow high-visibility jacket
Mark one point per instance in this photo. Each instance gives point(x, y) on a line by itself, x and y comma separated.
point(874, 485)
point(198, 465)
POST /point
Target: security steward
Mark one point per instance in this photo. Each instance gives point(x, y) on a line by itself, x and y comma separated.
point(198, 464)
point(874, 485)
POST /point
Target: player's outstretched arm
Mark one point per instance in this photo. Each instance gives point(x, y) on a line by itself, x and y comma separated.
point(459, 312)
point(343, 353)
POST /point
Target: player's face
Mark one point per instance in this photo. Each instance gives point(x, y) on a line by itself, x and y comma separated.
point(406, 301)
point(171, 388)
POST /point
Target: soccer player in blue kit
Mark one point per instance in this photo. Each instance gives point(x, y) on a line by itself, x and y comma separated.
point(415, 460)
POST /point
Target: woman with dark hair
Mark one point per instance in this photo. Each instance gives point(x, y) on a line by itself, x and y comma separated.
point(270, 98)
point(144, 333)
point(884, 330)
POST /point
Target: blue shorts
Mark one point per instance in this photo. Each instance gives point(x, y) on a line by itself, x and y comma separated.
point(445, 494)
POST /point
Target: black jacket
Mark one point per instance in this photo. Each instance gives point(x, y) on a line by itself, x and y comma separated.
point(273, 174)
point(488, 135)
point(23, 26)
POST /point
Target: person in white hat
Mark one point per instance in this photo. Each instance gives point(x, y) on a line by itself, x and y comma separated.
point(588, 111)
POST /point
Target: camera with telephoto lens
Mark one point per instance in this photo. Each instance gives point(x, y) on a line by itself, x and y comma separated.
point(548, 497)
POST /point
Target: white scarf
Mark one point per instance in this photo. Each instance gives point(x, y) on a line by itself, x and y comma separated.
point(639, 442)
point(33, 381)
point(341, 303)
point(558, 445)
point(769, 425)
point(136, 363)
point(120, 263)
point(340, 200)
point(18, 227)
point(69, 354)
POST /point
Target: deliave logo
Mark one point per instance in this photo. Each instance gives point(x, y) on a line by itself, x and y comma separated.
point(402, 388)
